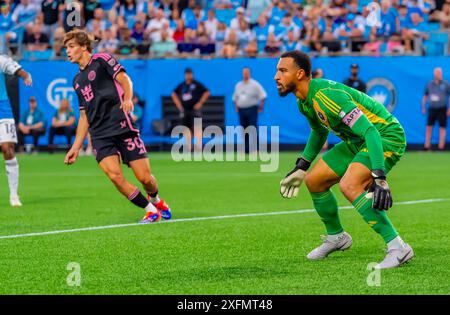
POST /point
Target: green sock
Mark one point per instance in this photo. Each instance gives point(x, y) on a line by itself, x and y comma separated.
point(327, 208)
point(378, 220)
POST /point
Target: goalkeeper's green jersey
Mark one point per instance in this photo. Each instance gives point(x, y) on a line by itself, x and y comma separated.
point(342, 110)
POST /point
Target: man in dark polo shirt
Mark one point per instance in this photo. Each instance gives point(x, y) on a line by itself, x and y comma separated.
point(189, 97)
point(354, 81)
point(437, 94)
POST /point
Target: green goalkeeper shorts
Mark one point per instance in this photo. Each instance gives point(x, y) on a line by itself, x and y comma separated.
point(343, 154)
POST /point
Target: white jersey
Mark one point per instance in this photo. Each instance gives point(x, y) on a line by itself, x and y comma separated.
point(7, 126)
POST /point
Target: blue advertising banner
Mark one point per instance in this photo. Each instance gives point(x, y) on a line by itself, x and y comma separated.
point(397, 82)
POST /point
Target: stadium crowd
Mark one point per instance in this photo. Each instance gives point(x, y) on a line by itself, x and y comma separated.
point(226, 28)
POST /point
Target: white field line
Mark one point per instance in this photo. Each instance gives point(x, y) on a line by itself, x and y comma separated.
point(221, 217)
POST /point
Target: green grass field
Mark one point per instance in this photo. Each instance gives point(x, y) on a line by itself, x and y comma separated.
point(236, 255)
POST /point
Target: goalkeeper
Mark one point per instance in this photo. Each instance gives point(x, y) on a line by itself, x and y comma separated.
point(373, 142)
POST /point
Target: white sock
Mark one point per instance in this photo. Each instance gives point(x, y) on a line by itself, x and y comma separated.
point(155, 199)
point(12, 172)
point(335, 237)
point(396, 243)
point(150, 208)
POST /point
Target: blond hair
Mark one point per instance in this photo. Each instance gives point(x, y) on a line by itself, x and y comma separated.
point(81, 37)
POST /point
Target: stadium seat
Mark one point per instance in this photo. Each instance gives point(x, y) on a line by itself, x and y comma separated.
point(437, 44)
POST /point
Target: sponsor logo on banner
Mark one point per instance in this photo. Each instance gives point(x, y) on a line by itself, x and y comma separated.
point(383, 91)
point(57, 90)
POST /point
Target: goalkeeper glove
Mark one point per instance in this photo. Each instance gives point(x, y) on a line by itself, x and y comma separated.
point(290, 185)
point(382, 197)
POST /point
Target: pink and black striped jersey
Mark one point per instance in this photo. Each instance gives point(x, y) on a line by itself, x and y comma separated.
point(100, 96)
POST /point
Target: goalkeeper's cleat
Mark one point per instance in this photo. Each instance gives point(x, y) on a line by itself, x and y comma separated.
point(14, 201)
point(151, 217)
point(396, 257)
point(164, 209)
point(331, 244)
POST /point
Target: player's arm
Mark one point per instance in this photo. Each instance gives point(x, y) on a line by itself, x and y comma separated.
point(81, 133)
point(361, 126)
point(290, 185)
point(127, 86)
point(9, 66)
point(203, 99)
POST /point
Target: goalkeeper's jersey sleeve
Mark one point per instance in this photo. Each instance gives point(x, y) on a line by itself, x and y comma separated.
point(350, 114)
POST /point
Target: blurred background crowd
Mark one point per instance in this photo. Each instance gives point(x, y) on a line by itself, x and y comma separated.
point(228, 28)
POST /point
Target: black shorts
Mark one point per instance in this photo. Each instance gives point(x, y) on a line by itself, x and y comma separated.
point(188, 118)
point(437, 114)
point(128, 146)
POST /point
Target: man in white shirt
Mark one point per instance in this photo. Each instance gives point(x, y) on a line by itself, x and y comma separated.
point(155, 25)
point(248, 98)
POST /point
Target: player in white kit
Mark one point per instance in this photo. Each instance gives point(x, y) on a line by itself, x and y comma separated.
point(8, 136)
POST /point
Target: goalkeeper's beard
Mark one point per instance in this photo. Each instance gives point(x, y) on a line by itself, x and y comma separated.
point(290, 88)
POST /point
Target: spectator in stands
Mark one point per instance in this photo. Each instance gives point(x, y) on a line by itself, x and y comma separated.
point(189, 44)
point(138, 111)
point(243, 35)
point(374, 44)
point(390, 23)
point(109, 42)
point(50, 12)
point(138, 32)
point(251, 51)
point(37, 40)
point(32, 122)
point(205, 48)
point(24, 11)
point(437, 94)
point(231, 44)
point(63, 123)
point(349, 30)
point(178, 34)
point(273, 46)
point(261, 33)
point(292, 42)
point(7, 23)
point(317, 73)
point(127, 9)
point(416, 29)
point(223, 4)
point(240, 17)
point(189, 97)
point(276, 11)
point(90, 6)
point(164, 47)
point(220, 37)
point(442, 16)
point(211, 24)
point(99, 19)
point(155, 25)
point(128, 45)
point(248, 98)
point(255, 8)
point(58, 47)
point(354, 81)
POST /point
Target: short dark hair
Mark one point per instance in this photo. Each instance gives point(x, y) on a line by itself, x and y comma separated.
point(188, 70)
point(301, 59)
